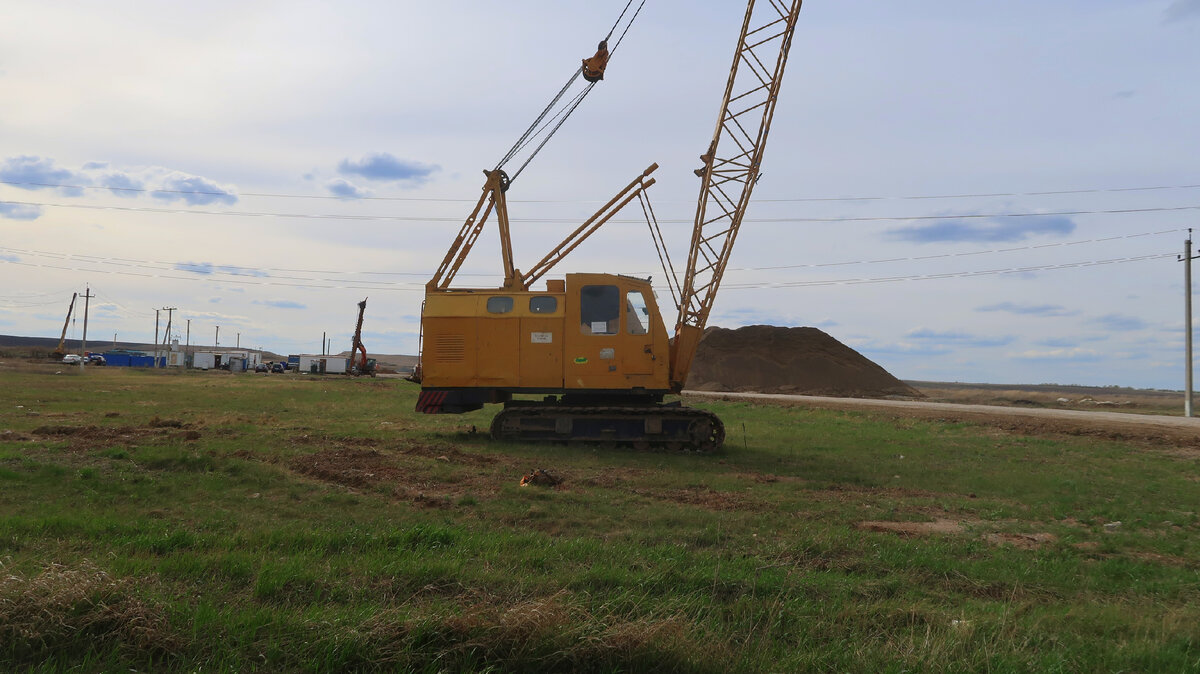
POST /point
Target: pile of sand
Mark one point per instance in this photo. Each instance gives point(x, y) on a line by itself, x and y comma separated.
point(768, 359)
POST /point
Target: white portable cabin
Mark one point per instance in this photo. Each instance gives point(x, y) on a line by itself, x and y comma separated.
point(323, 364)
point(238, 361)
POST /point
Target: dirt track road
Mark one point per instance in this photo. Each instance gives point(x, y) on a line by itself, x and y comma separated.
point(1159, 430)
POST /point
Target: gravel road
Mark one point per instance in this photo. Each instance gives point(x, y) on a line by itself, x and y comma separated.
point(1156, 429)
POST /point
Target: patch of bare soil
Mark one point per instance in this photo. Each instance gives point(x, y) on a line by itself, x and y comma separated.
point(708, 499)
point(1023, 541)
point(101, 437)
point(769, 359)
point(941, 526)
point(348, 467)
point(409, 481)
point(1187, 441)
point(950, 527)
point(448, 454)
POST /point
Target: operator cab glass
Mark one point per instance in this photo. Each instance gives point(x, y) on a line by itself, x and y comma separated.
point(599, 310)
point(637, 315)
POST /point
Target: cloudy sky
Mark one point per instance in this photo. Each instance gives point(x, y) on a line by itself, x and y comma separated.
point(961, 190)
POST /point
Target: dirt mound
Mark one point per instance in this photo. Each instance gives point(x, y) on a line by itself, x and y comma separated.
point(769, 359)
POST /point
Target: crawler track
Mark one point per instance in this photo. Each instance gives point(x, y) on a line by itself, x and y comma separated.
point(643, 426)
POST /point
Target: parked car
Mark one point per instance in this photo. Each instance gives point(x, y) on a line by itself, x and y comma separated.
point(72, 358)
point(278, 367)
point(96, 359)
point(262, 367)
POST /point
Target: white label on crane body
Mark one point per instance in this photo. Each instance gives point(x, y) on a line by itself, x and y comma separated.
point(541, 337)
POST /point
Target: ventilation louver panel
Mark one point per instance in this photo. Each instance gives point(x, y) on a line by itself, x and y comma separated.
point(449, 349)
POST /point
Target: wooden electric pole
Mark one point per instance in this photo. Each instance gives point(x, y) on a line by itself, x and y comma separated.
point(167, 337)
point(83, 348)
point(1187, 321)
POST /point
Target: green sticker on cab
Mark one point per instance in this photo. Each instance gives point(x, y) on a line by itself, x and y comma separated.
point(580, 360)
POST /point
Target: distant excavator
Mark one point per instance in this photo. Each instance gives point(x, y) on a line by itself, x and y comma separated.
point(359, 363)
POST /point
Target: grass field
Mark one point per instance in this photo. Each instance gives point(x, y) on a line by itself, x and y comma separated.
point(205, 521)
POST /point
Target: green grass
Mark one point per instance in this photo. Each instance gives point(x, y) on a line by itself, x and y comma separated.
point(179, 522)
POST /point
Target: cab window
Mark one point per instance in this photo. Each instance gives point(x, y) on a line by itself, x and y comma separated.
point(543, 305)
point(499, 305)
point(637, 314)
point(599, 310)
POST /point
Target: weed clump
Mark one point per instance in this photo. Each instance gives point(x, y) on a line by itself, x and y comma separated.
point(77, 613)
point(550, 634)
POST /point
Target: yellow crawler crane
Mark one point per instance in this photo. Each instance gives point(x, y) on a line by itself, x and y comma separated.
point(595, 346)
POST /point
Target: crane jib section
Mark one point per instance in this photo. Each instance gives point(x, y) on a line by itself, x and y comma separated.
point(731, 165)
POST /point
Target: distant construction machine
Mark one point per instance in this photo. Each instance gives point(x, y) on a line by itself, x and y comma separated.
point(594, 346)
point(359, 363)
point(60, 350)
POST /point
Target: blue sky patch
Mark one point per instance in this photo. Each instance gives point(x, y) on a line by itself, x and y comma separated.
point(385, 167)
point(984, 230)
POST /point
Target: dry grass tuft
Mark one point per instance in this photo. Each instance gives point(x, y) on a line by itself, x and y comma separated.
point(77, 610)
point(550, 633)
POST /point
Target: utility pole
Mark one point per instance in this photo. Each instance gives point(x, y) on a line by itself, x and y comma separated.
point(322, 344)
point(239, 340)
point(217, 339)
point(1186, 259)
point(83, 349)
point(156, 333)
point(167, 337)
point(187, 344)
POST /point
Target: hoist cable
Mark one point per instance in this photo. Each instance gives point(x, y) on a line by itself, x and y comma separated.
point(627, 27)
point(537, 128)
point(548, 123)
point(567, 113)
point(618, 21)
point(524, 137)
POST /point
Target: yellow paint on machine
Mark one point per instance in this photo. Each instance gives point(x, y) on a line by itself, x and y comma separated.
point(591, 331)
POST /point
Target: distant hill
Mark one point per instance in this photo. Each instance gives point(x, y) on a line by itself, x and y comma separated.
point(44, 345)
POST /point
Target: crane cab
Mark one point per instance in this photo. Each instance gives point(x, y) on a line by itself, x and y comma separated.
point(595, 337)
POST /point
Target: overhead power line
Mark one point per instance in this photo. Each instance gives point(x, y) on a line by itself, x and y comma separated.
point(420, 287)
point(426, 219)
point(26, 296)
point(12, 304)
point(209, 269)
point(939, 256)
point(961, 274)
point(277, 195)
point(415, 287)
point(983, 195)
